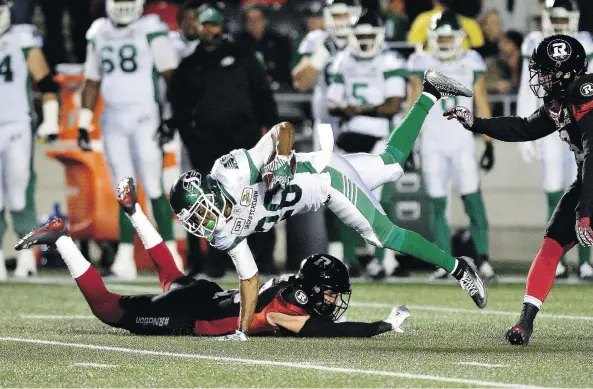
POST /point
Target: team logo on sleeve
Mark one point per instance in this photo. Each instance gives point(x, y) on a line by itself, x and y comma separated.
point(587, 89)
point(229, 162)
point(301, 297)
point(559, 50)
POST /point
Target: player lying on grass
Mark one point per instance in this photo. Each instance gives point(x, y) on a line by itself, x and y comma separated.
point(249, 191)
point(307, 304)
point(557, 71)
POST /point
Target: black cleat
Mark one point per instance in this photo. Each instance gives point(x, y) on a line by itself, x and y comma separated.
point(47, 234)
point(126, 195)
point(471, 281)
point(518, 336)
point(441, 86)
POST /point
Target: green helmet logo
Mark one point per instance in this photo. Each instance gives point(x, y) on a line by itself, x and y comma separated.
point(199, 204)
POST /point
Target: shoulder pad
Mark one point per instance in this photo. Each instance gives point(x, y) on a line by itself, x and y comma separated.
point(27, 35)
point(311, 42)
point(95, 28)
point(152, 23)
point(418, 61)
point(295, 296)
point(581, 91)
point(391, 60)
point(530, 43)
point(475, 60)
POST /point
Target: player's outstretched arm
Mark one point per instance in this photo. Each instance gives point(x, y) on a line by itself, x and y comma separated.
point(313, 327)
point(249, 284)
point(505, 128)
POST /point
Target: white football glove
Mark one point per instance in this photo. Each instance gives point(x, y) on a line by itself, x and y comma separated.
point(397, 317)
point(50, 125)
point(237, 335)
point(528, 151)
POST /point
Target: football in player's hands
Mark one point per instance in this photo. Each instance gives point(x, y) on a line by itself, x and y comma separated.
point(278, 170)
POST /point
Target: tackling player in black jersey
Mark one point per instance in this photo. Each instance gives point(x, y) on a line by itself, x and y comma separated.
point(558, 75)
point(306, 304)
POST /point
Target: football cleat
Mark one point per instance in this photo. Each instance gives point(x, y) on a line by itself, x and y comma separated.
point(561, 271)
point(126, 195)
point(47, 234)
point(519, 335)
point(471, 282)
point(439, 274)
point(440, 86)
point(375, 270)
point(586, 272)
point(487, 272)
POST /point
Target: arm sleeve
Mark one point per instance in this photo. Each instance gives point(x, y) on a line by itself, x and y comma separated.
point(262, 150)
point(319, 328)
point(243, 260)
point(514, 128)
point(264, 103)
point(585, 204)
point(92, 65)
point(165, 57)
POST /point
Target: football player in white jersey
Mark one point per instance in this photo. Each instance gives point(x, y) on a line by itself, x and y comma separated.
point(187, 38)
point(249, 191)
point(367, 88)
point(447, 149)
point(127, 54)
point(21, 62)
point(557, 161)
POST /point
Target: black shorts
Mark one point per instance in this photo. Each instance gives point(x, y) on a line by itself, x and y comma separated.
point(561, 226)
point(171, 313)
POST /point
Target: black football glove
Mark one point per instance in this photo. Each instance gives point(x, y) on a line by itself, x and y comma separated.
point(84, 140)
point(487, 160)
point(166, 132)
point(462, 114)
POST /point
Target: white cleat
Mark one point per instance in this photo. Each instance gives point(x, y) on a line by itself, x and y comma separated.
point(397, 317)
point(561, 271)
point(26, 266)
point(124, 266)
point(3, 272)
point(486, 271)
point(439, 274)
point(172, 246)
point(586, 272)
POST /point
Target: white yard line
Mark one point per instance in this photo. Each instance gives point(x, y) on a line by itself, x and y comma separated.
point(479, 364)
point(294, 365)
point(474, 311)
point(56, 317)
point(90, 364)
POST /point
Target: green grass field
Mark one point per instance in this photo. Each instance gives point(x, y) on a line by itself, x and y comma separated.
point(48, 338)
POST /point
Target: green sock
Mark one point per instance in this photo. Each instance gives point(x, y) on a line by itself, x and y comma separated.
point(553, 200)
point(386, 201)
point(439, 224)
point(475, 210)
point(584, 254)
point(2, 227)
point(126, 229)
point(23, 222)
point(402, 139)
point(349, 238)
point(163, 216)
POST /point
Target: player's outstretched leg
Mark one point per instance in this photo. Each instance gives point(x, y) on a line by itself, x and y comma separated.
point(104, 304)
point(153, 242)
point(435, 86)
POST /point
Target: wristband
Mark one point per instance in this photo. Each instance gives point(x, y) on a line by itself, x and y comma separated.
point(85, 117)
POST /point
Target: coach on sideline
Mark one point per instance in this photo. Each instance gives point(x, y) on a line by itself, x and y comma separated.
point(221, 101)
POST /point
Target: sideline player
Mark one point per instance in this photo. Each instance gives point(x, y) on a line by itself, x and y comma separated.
point(557, 71)
point(306, 304)
point(557, 162)
point(249, 191)
point(21, 61)
point(448, 151)
point(127, 54)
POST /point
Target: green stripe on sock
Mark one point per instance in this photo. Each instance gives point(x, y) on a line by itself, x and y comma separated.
point(475, 210)
point(439, 224)
point(584, 254)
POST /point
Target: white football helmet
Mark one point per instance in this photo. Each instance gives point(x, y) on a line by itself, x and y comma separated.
point(339, 17)
point(5, 22)
point(445, 36)
point(368, 36)
point(560, 17)
point(123, 12)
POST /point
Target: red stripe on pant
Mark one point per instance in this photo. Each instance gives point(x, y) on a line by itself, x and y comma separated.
point(543, 269)
point(165, 265)
point(103, 303)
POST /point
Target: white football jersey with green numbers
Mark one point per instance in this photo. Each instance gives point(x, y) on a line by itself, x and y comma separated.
point(437, 131)
point(256, 210)
point(367, 81)
point(15, 80)
point(128, 73)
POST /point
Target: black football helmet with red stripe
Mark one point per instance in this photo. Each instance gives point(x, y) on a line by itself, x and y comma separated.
point(554, 65)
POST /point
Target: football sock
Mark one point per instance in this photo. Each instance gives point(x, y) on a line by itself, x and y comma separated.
point(542, 271)
point(553, 200)
point(2, 227)
point(157, 249)
point(23, 222)
point(402, 139)
point(474, 207)
point(439, 224)
point(75, 261)
point(163, 217)
point(349, 238)
point(584, 254)
point(126, 231)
